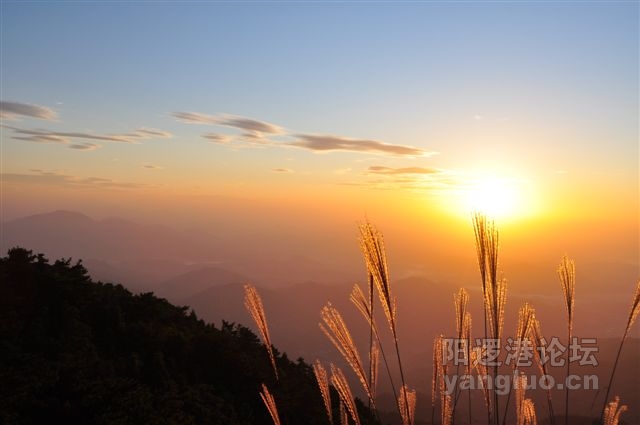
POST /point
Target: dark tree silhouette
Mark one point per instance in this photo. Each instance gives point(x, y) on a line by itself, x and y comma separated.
point(75, 351)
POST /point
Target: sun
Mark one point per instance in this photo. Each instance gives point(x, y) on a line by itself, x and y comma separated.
point(504, 195)
point(495, 196)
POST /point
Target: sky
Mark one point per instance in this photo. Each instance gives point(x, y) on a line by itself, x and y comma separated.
point(311, 116)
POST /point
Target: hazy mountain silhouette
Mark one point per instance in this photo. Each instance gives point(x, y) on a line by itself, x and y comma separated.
point(66, 233)
point(145, 256)
point(181, 288)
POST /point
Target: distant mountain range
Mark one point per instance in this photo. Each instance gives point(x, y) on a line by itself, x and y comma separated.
point(145, 256)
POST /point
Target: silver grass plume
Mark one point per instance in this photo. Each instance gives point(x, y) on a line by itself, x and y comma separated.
point(336, 330)
point(613, 411)
point(407, 403)
point(372, 247)
point(323, 384)
point(567, 274)
point(270, 402)
point(539, 345)
point(253, 303)
point(344, 391)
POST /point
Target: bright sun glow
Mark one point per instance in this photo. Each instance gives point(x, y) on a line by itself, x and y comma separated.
point(495, 197)
point(498, 197)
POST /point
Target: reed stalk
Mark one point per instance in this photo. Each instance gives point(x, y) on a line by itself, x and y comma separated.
point(633, 315)
point(567, 274)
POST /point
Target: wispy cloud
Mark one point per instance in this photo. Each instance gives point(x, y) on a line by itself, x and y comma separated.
point(378, 169)
point(256, 132)
point(70, 137)
point(56, 178)
point(14, 110)
point(249, 125)
point(42, 138)
point(425, 179)
point(152, 133)
point(217, 138)
point(152, 167)
point(327, 143)
point(282, 170)
point(84, 146)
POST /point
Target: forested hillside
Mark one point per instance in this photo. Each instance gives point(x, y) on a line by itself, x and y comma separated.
point(75, 351)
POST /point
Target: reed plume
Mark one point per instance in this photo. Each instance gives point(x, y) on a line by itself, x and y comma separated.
point(374, 362)
point(358, 299)
point(567, 274)
point(480, 231)
point(496, 298)
point(253, 304)
point(446, 401)
point(373, 351)
point(372, 247)
point(446, 417)
point(344, 415)
point(437, 371)
point(526, 317)
point(613, 411)
point(407, 404)
point(365, 307)
point(336, 330)
point(540, 356)
point(466, 335)
point(323, 384)
point(461, 303)
point(525, 410)
point(481, 371)
point(494, 289)
point(344, 391)
point(529, 412)
point(270, 402)
point(633, 315)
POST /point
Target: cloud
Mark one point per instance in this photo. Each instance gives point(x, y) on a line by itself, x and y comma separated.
point(152, 133)
point(43, 138)
point(56, 178)
point(250, 125)
point(247, 124)
point(217, 138)
point(85, 146)
point(282, 170)
point(424, 179)
point(255, 132)
point(377, 169)
point(152, 167)
point(195, 118)
point(13, 110)
point(64, 137)
point(336, 143)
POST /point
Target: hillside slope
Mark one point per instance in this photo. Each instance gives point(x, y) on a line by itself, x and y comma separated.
point(77, 352)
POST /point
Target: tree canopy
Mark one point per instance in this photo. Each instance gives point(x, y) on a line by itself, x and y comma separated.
point(76, 351)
